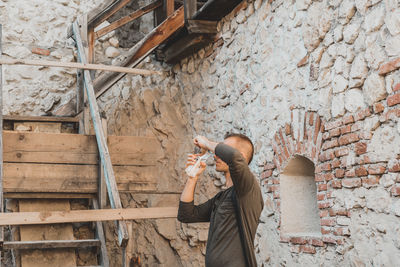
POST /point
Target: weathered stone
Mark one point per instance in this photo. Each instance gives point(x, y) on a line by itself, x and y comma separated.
point(339, 84)
point(338, 33)
point(374, 89)
point(114, 42)
point(112, 52)
point(347, 10)
point(337, 105)
point(359, 68)
point(392, 46)
point(350, 32)
point(392, 21)
point(388, 179)
point(374, 20)
point(354, 100)
point(384, 143)
point(377, 199)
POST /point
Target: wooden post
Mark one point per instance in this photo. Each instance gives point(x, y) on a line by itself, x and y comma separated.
point(1, 141)
point(104, 261)
point(102, 192)
point(112, 189)
point(190, 8)
point(82, 92)
point(169, 7)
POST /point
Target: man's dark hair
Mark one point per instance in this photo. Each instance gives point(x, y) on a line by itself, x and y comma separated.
point(244, 138)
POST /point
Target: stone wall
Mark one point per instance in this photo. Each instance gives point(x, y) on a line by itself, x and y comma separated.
point(299, 78)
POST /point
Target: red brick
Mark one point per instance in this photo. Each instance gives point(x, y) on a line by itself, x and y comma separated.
point(341, 231)
point(308, 249)
point(392, 114)
point(376, 169)
point(378, 107)
point(361, 171)
point(334, 132)
point(298, 240)
point(322, 187)
point(356, 126)
point(348, 138)
point(339, 173)
point(266, 174)
point(345, 129)
point(335, 163)
point(317, 242)
point(328, 222)
point(396, 87)
point(328, 176)
point(325, 230)
point(393, 100)
point(321, 196)
point(367, 135)
point(40, 51)
point(370, 181)
point(389, 66)
point(284, 238)
point(274, 181)
point(325, 136)
point(323, 213)
point(330, 144)
point(329, 240)
point(327, 155)
point(348, 119)
point(326, 166)
point(360, 148)
point(351, 183)
point(343, 151)
point(350, 173)
point(276, 195)
point(269, 166)
point(362, 114)
point(394, 167)
point(337, 211)
point(324, 204)
point(395, 190)
point(336, 184)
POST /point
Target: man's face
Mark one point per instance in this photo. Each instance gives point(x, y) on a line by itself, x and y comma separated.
point(221, 166)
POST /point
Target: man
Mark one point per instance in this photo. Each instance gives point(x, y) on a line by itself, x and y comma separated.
point(233, 213)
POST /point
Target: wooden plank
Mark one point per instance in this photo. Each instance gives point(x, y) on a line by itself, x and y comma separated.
point(75, 65)
point(106, 13)
point(62, 178)
point(41, 119)
point(78, 149)
point(75, 216)
point(102, 192)
point(1, 140)
point(142, 49)
point(124, 20)
point(46, 258)
point(47, 244)
point(170, 7)
point(201, 26)
point(190, 8)
point(48, 195)
point(104, 261)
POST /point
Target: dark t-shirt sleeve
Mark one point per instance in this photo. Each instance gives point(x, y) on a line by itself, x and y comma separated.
point(242, 177)
point(190, 213)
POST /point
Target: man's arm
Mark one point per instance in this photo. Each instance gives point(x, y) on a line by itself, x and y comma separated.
point(242, 177)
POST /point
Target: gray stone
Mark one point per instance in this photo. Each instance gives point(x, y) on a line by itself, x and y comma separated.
point(392, 21)
point(374, 89)
point(392, 46)
point(378, 199)
point(347, 10)
point(354, 100)
point(359, 68)
point(339, 84)
point(374, 54)
point(337, 105)
point(114, 42)
point(388, 179)
point(112, 52)
point(385, 143)
point(303, 4)
point(350, 32)
point(338, 33)
point(396, 208)
point(374, 20)
point(317, 24)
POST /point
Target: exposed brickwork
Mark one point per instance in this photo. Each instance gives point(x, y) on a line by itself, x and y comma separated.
point(393, 100)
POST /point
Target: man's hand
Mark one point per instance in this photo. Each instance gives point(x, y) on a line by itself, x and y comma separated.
point(192, 160)
point(204, 143)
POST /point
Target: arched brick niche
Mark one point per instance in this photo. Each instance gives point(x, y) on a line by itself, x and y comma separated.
point(292, 178)
point(342, 153)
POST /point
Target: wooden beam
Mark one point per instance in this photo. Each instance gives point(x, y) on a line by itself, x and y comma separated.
point(48, 195)
point(169, 6)
point(28, 147)
point(124, 20)
point(142, 49)
point(48, 244)
point(75, 216)
point(104, 260)
point(75, 65)
point(104, 14)
point(190, 8)
point(202, 26)
point(112, 188)
point(40, 118)
point(1, 139)
point(102, 191)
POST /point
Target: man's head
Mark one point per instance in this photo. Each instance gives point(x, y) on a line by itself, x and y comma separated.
point(242, 143)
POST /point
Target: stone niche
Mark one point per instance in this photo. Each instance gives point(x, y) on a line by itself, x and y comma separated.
point(299, 210)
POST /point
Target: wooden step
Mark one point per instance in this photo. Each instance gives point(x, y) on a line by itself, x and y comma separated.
point(47, 244)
